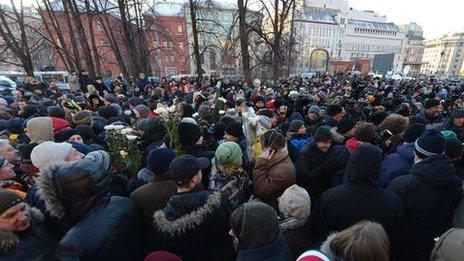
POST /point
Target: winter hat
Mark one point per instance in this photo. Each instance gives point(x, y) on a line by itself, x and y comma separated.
point(322, 95)
point(101, 157)
point(48, 153)
point(429, 103)
point(255, 224)
point(333, 109)
point(295, 202)
point(184, 167)
point(453, 148)
point(271, 105)
point(86, 132)
point(448, 134)
point(158, 160)
point(264, 124)
point(378, 117)
point(56, 111)
point(30, 110)
point(63, 136)
point(295, 125)
point(232, 113)
point(315, 109)
point(15, 125)
point(134, 101)
point(82, 117)
point(42, 129)
point(413, 132)
point(322, 134)
point(189, 133)
point(235, 129)
point(219, 130)
point(313, 255)
point(162, 256)
point(457, 113)
point(430, 143)
point(345, 125)
point(117, 107)
point(107, 112)
point(141, 111)
point(8, 199)
point(111, 98)
point(204, 110)
point(228, 153)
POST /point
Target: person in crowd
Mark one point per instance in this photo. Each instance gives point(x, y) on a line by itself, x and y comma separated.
point(430, 115)
point(256, 234)
point(40, 129)
point(456, 123)
point(234, 132)
point(363, 133)
point(297, 137)
point(399, 163)
point(321, 165)
point(274, 171)
point(395, 125)
point(454, 150)
point(430, 193)
point(313, 118)
point(9, 179)
point(364, 241)
point(448, 246)
point(194, 219)
point(334, 114)
point(154, 195)
point(294, 208)
point(228, 176)
point(49, 153)
point(360, 198)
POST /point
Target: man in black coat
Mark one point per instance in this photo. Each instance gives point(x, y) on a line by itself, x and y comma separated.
point(360, 198)
point(321, 165)
point(430, 193)
point(195, 222)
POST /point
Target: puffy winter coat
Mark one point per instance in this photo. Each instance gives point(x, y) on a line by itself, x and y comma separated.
point(430, 194)
point(396, 164)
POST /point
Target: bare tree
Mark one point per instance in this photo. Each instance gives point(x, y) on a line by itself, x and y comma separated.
point(193, 5)
point(244, 40)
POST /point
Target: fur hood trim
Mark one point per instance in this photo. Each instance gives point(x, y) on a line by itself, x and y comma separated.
point(189, 221)
point(47, 191)
point(325, 247)
point(9, 241)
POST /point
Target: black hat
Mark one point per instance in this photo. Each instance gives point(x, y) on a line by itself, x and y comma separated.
point(345, 125)
point(63, 136)
point(218, 130)
point(134, 101)
point(266, 112)
point(108, 112)
point(413, 132)
point(8, 199)
point(295, 125)
point(56, 111)
point(322, 134)
point(453, 148)
point(430, 143)
point(15, 125)
point(184, 167)
point(235, 129)
point(333, 110)
point(189, 133)
point(429, 103)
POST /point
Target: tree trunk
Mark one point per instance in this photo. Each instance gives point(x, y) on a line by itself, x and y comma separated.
point(244, 41)
point(71, 35)
point(127, 36)
point(96, 55)
point(196, 47)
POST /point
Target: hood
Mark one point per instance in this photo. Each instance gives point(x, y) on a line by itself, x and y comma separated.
point(40, 129)
point(9, 241)
point(436, 169)
point(364, 165)
point(325, 248)
point(179, 224)
point(406, 151)
point(70, 190)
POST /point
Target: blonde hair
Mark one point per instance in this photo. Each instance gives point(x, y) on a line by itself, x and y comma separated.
point(364, 241)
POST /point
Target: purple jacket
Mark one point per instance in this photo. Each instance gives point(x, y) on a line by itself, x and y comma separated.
point(396, 164)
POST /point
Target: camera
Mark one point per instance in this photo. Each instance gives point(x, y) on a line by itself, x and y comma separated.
point(381, 137)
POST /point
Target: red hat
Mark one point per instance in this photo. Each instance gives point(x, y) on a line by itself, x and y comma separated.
point(60, 125)
point(313, 255)
point(271, 105)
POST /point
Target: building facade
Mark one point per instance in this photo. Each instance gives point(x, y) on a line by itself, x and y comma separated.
point(414, 48)
point(444, 56)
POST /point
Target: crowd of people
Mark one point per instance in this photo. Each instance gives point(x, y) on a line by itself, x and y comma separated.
point(333, 167)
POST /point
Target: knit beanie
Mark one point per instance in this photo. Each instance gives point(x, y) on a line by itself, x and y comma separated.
point(204, 110)
point(134, 101)
point(63, 136)
point(82, 117)
point(295, 125)
point(430, 143)
point(141, 111)
point(264, 124)
point(235, 129)
point(56, 111)
point(295, 202)
point(107, 112)
point(111, 98)
point(15, 125)
point(413, 132)
point(430, 103)
point(333, 110)
point(453, 148)
point(43, 128)
point(189, 134)
point(259, 225)
point(266, 112)
point(322, 134)
point(101, 157)
point(315, 109)
point(228, 153)
point(48, 153)
point(117, 107)
point(158, 160)
point(345, 125)
point(8, 199)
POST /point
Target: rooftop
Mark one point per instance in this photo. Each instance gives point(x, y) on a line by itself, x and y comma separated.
point(319, 15)
point(373, 25)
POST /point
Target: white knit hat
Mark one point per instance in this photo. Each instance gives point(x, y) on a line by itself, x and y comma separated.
point(49, 152)
point(295, 202)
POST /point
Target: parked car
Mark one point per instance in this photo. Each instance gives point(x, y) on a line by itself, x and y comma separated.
point(7, 83)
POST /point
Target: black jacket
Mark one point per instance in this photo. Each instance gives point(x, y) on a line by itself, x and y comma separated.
point(430, 193)
point(360, 198)
point(317, 171)
point(194, 225)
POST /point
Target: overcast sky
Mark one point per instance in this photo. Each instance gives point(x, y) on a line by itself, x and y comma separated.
point(436, 17)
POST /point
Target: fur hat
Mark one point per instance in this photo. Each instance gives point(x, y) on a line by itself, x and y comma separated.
point(82, 117)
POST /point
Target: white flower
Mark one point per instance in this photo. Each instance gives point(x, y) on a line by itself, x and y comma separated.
point(126, 131)
point(221, 112)
point(223, 100)
point(123, 153)
point(172, 109)
point(118, 127)
point(131, 137)
point(108, 127)
point(195, 115)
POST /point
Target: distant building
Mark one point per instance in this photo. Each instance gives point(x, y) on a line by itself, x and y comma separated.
point(414, 48)
point(167, 35)
point(444, 55)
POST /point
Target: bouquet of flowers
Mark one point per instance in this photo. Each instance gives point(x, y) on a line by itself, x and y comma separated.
point(124, 146)
point(171, 122)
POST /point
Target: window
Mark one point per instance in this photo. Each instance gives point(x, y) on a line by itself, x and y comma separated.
point(171, 71)
point(173, 59)
point(165, 44)
point(179, 28)
point(171, 45)
point(181, 46)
